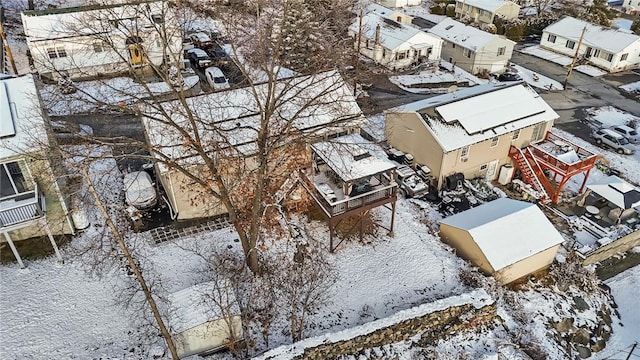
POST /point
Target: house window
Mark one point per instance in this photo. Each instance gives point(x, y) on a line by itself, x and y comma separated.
point(464, 152)
point(99, 47)
point(502, 50)
point(453, 46)
point(551, 38)
point(157, 18)
point(596, 53)
point(515, 135)
point(571, 44)
point(624, 57)
point(609, 57)
point(384, 53)
point(12, 181)
point(56, 52)
point(484, 167)
point(401, 55)
point(467, 53)
point(538, 132)
point(494, 141)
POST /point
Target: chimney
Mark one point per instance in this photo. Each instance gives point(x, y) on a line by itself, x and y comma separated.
point(377, 35)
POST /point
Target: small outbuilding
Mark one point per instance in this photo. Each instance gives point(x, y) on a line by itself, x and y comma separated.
point(201, 323)
point(506, 238)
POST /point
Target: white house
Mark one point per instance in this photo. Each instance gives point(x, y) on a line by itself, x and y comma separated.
point(472, 49)
point(484, 11)
point(399, 3)
point(506, 238)
point(393, 44)
point(631, 6)
point(610, 49)
point(89, 41)
point(31, 203)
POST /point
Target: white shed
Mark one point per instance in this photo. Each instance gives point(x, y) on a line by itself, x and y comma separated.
point(506, 238)
point(199, 325)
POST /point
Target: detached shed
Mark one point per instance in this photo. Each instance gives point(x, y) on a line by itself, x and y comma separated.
point(505, 238)
point(198, 324)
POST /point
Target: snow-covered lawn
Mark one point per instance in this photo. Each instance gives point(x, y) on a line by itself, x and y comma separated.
point(625, 288)
point(633, 87)
point(433, 77)
point(537, 80)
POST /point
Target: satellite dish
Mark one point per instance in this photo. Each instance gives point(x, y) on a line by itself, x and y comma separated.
point(452, 89)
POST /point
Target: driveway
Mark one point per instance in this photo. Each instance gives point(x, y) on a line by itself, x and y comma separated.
point(583, 91)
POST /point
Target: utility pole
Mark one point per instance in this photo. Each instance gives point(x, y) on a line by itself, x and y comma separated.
point(357, 64)
point(575, 57)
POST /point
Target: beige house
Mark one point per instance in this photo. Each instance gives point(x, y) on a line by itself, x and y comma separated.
point(471, 130)
point(31, 203)
point(472, 49)
point(93, 40)
point(505, 238)
point(321, 106)
point(397, 15)
point(484, 11)
point(393, 44)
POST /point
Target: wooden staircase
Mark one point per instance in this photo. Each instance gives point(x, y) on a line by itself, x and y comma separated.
point(532, 173)
point(287, 187)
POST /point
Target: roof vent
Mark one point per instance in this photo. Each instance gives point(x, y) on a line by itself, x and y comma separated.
point(7, 124)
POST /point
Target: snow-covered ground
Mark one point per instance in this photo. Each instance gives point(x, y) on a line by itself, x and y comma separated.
point(563, 60)
point(633, 87)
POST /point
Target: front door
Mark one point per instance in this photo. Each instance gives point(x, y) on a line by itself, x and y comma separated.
point(136, 54)
point(491, 170)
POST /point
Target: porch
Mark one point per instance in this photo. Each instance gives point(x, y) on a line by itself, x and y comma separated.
point(554, 159)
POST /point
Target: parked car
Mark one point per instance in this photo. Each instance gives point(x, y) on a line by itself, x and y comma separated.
point(71, 133)
point(140, 191)
point(215, 78)
point(219, 56)
point(199, 58)
point(509, 76)
point(411, 185)
point(613, 140)
point(187, 44)
point(630, 133)
point(201, 40)
point(395, 154)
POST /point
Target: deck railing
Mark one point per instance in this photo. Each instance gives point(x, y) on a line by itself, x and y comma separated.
point(21, 208)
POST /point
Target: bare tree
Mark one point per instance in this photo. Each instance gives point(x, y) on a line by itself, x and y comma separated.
point(236, 165)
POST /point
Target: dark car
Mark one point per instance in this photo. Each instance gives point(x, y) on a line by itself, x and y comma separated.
point(201, 40)
point(509, 76)
point(199, 58)
point(219, 56)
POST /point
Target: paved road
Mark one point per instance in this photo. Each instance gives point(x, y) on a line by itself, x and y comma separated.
point(583, 91)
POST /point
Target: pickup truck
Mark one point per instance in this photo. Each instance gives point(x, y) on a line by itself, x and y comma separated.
point(411, 185)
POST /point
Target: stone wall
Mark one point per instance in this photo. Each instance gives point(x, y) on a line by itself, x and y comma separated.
point(621, 245)
point(430, 326)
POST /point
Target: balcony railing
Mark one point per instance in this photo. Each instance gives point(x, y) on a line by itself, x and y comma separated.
point(338, 207)
point(21, 208)
point(587, 159)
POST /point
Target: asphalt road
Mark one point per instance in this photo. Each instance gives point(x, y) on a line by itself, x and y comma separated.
point(583, 91)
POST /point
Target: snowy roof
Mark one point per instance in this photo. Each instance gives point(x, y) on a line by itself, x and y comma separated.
point(460, 34)
point(378, 9)
point(22, 127)
point(349, 159)
point(611, 40)
point(193, 306)
point(392, 34)
point(507, 230)
point(80, 20)
point(472, 115)
point(619, 192)
point(478, 298)
point(315, 104)
point(489, 5)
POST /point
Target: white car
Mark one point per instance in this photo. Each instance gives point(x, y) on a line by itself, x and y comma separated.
point(140, 190)
point(630, 133)
point(215, 78)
